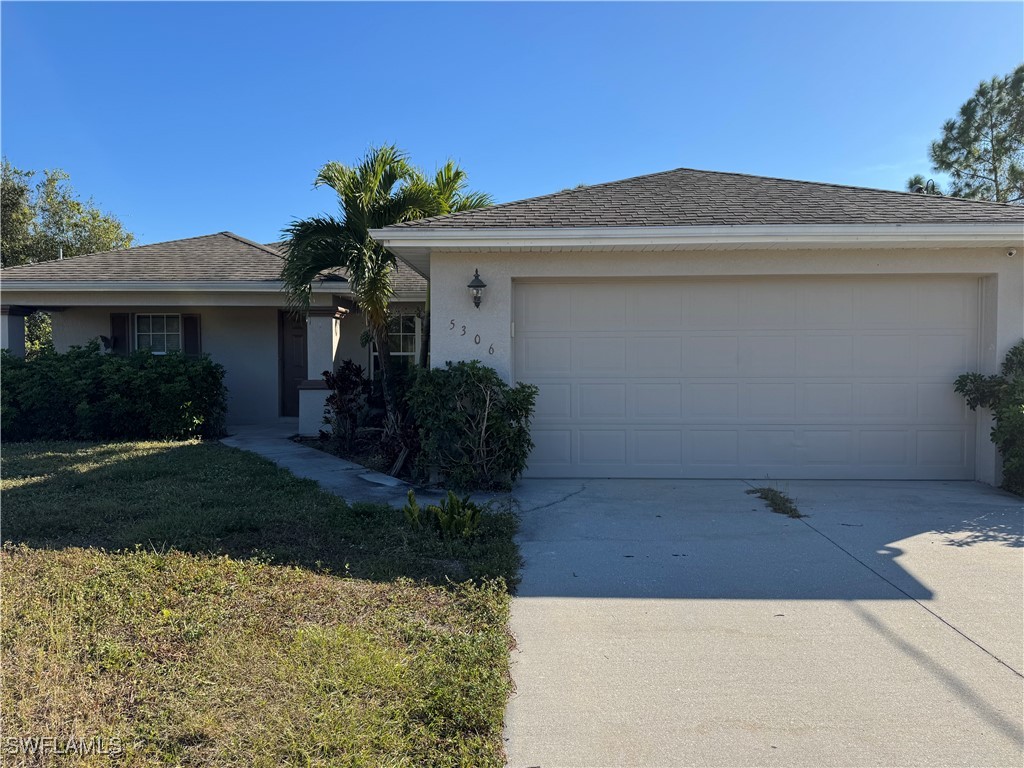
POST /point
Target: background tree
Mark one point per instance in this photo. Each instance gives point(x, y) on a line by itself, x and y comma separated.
point(382, 189)
point(41, 216)
point(982, 149)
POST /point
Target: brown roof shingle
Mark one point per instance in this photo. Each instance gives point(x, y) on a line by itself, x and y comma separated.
point(222, 257)
point(687, 197)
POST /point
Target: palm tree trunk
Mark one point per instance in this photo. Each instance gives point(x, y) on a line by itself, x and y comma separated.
point(382, 342)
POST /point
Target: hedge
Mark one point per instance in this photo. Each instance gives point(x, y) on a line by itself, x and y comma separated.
point(85, 395)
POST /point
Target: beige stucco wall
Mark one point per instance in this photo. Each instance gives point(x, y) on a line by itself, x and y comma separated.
point(242, 339)
point(487, 333)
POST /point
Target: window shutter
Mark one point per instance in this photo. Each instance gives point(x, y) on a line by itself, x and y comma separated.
point(120, 333)
point(191, 338)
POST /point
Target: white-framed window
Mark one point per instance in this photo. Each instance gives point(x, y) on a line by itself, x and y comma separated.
point(404, 337)
point(159, 334)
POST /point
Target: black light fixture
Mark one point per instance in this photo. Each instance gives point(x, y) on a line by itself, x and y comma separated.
point(476, 288)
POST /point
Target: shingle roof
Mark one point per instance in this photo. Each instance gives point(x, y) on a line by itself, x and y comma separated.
point(224, 256)
point(687, 197)
point(221, 257)
point(405, 279)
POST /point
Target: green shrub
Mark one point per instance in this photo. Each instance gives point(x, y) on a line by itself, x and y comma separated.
point(453, 517)
point(1003, 394)
point(474, 429)
point(85, 395)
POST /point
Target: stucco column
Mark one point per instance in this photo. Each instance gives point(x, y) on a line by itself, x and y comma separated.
point(12, 329)
point(323, 332)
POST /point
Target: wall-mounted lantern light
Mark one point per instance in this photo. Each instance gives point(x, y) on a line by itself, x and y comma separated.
point(476, 288)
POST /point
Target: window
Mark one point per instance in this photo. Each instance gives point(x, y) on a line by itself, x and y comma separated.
point(159, 334)
point(404, 336)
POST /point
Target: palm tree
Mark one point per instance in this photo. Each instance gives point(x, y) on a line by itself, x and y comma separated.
point(382, 189)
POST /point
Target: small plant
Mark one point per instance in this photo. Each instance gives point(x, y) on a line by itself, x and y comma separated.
point(777, 501)
point(412, 511)
point(1003, 394)
point(453, 517)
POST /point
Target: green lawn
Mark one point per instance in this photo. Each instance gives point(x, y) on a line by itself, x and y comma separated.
point(204, 607)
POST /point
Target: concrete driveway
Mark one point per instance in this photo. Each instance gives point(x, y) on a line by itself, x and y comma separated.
point(665, 623)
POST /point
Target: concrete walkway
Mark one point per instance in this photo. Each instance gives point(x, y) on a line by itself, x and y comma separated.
point(679, 623)
point(351, 481)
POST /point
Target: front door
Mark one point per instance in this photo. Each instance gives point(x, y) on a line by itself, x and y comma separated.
point(292, 333)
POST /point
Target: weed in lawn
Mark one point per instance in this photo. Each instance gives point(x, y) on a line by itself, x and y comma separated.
point(777, 501)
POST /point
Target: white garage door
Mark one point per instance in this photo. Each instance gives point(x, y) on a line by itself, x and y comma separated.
point(786, 378)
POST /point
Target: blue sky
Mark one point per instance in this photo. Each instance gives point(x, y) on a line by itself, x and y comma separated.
point(190, 118)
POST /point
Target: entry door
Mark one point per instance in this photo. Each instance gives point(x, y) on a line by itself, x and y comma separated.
point(747, 378)
point(293, 362)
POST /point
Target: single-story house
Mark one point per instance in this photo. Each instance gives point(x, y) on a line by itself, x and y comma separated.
point(680, 324)
point(719, 325)
point(220, 295)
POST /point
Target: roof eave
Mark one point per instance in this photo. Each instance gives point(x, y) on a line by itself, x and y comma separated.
point(414, 244)
point(167, 286)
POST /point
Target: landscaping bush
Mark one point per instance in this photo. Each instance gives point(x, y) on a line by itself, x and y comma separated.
point(474, 429)
point(1003, 393)
point(347, 408)
point(85, 395)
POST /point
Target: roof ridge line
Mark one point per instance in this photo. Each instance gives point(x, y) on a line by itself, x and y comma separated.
point(947, 199)
point(253, 243)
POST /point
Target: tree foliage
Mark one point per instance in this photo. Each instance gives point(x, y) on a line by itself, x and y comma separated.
point(43, 216)
point(982, 148)
point(383, 188)
point(1003, 394)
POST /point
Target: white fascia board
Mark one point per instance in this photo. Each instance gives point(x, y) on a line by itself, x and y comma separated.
point(417, 242)
point(163, 286)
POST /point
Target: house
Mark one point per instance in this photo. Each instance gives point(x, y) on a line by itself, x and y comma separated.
point(719, 325)
point(219, 294)
point(680, 324)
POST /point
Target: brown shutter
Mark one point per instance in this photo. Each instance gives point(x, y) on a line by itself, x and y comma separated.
point(191, 338)
point(120, 334)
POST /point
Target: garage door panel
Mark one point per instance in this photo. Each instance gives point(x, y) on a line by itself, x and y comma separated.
point(885, 304)
point(711, 355)
point(658, 400)
point(603, 446)
point(945, 447)
point(825, 356)
point(842, 377)
point(712, 400)
point(830, 447)
point(775, 401)
point(886, 355)
point(768, 305)
point(602, 401)
point(657, 356)
point(596, 355)
point(762, 356)
point(658, 447)
point(827, 308)
point(711, 306)
point(936, 354)
point(825, 400)
point(597, 307)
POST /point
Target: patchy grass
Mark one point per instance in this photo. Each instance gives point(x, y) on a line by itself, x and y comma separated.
point(777, 501)
point(208, 498)
point(203, 607)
